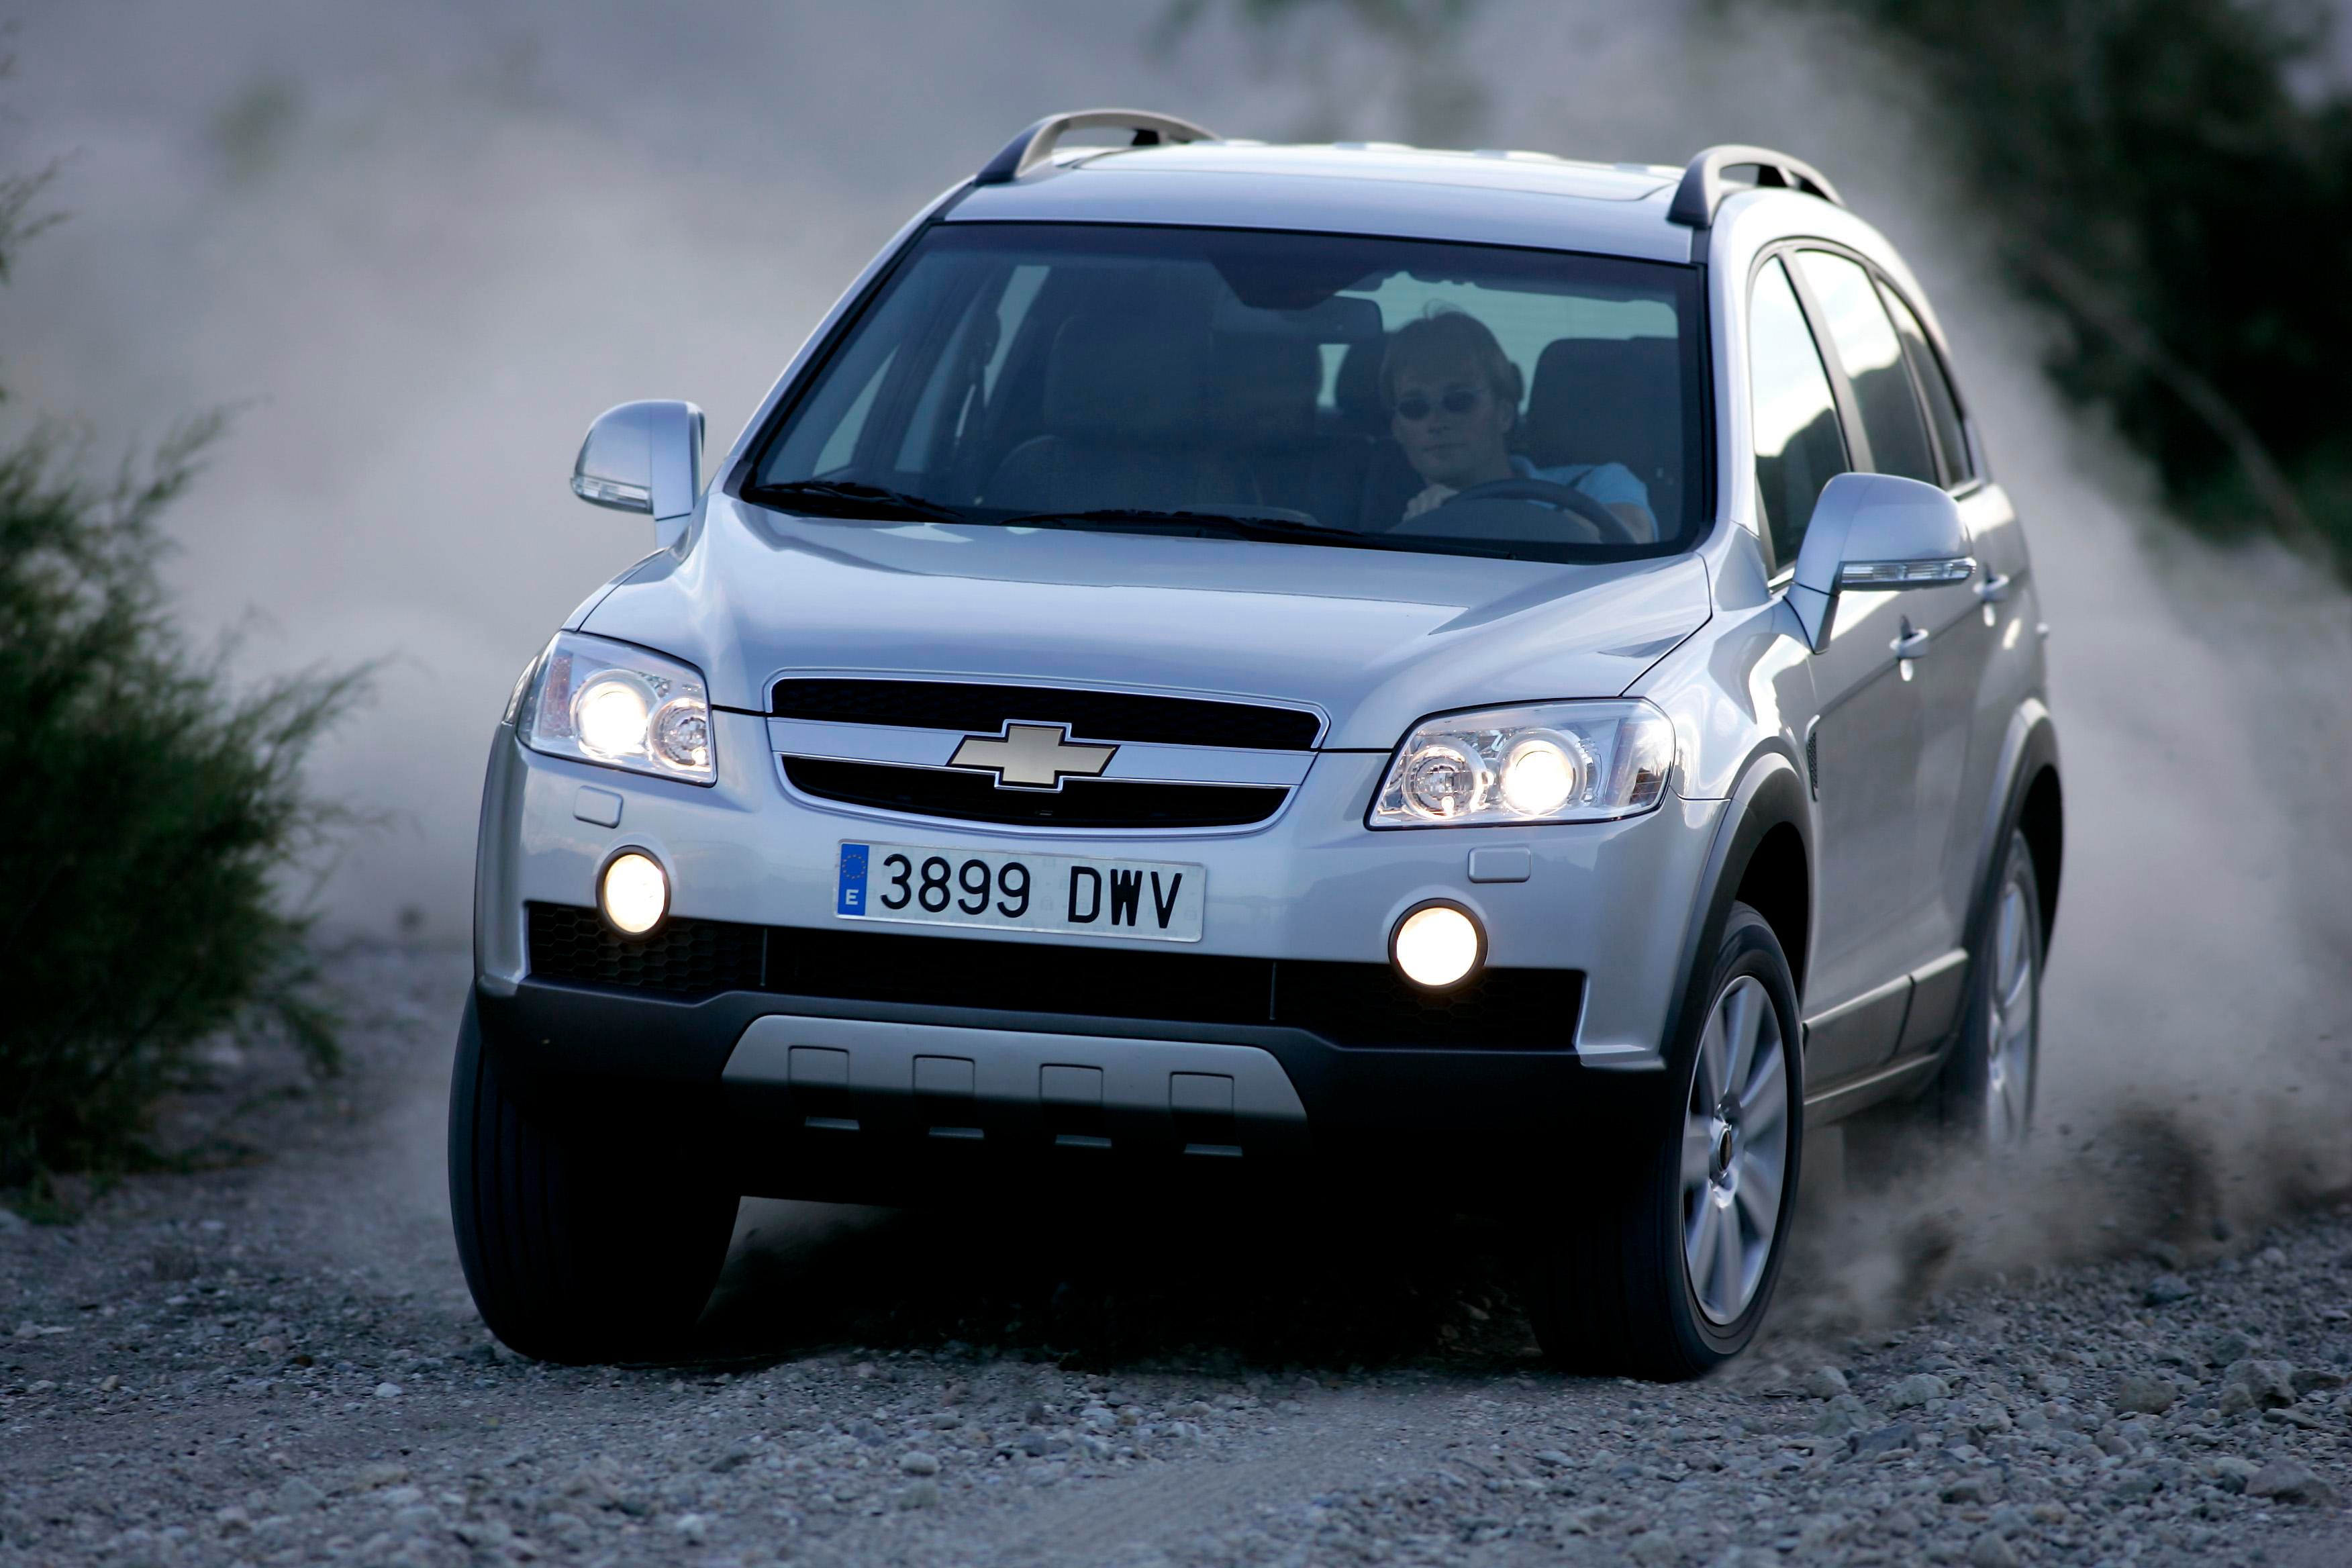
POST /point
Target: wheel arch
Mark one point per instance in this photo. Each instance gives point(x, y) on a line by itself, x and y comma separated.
point(2028, 798)
point(1762, 855)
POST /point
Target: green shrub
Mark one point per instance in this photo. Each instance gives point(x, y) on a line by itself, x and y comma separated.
point(154, 811)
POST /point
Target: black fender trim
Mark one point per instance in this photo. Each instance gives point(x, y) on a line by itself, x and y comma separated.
point(1771, 793)
point(2028, 754)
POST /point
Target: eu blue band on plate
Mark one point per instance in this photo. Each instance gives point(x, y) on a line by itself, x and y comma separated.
point(850, 898)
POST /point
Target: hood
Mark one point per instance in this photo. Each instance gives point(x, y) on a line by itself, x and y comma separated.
point(1375, 639)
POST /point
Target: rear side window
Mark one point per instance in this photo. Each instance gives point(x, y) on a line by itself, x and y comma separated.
point(1864, 337)
point(1943, 408)
point(1800, 446)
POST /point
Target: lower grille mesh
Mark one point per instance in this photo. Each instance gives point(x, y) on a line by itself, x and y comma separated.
point(1365, 1005)
point(684, 958)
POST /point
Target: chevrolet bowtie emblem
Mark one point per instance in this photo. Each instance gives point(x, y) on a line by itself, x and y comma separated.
point(1032, 756)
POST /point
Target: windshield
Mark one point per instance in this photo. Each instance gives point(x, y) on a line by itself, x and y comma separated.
point(1382, 393)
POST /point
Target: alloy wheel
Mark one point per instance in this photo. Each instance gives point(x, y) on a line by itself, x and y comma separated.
point(1735, 1150)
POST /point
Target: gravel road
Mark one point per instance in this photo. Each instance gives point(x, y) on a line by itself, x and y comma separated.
point(275, 1360)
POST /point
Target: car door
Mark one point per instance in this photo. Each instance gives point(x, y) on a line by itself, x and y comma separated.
point(1938, 646)
point(2003, 644)
point(1862, 748)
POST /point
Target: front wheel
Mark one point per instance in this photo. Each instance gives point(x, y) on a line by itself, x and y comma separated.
point(573, 1252)
point(1669, 1272)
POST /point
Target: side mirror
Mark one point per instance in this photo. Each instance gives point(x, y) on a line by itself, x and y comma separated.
point(644, 457)
point(1876, 532)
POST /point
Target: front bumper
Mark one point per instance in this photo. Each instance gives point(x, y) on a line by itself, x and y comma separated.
point(876, 1103)
point(1604, 906)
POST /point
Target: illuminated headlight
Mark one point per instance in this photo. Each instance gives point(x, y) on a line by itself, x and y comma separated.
point(623, 706)
point(1438, 946)
point(633, 892)
point(1559, 762)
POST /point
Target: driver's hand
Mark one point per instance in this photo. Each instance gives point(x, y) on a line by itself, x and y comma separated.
point(1434, 497)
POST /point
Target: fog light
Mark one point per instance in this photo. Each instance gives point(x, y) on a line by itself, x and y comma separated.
point(1438, 946)
point(636, 893)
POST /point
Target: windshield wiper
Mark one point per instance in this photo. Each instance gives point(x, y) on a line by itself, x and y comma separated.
point(1288, 528)
point(847, 498)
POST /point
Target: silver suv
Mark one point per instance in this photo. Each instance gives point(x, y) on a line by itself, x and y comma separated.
point(1471, 676)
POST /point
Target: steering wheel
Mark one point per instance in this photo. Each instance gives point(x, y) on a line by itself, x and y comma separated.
point(1614, 530)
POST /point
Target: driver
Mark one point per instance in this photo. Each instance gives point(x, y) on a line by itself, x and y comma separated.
point(1454, 400)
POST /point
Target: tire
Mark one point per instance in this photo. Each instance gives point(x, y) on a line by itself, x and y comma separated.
point(572, 1257)
point(1984, 1096)
point(1619, 1292)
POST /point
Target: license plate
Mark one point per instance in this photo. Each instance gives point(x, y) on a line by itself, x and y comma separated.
point(1148, 899)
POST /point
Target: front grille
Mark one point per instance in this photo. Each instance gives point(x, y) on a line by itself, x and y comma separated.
point(684, 958)
point(970, 796)
point(1091, 715)
point(1361, 1004)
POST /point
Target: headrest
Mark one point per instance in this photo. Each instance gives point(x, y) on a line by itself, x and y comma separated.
point(1265, 387)
point(1607, 400)
point(1358, 389)
point(1117, 375)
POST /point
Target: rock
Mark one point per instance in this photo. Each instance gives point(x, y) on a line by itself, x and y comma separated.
point(2135, 1486)
point(2165, 1289)
point(2290, 1482)
point(2312, 1380)
point(919, 1494)
point(1977, 1489)
point(384, 1473)
point(918, 1463)
point(296, 1494)
point(1656, 1548)
point(2269, 1384)
point(1845, 1414)
point(1990, 1551)
point(387, 1391)
point(1916, 1390)
point(2141, 1395)
point(1826, 1383)
point(691, 1527)
point(2232, 1473)
point(1886, 1440)
point(2166, 1254)
point(2227, 1346)
point(12, 1223)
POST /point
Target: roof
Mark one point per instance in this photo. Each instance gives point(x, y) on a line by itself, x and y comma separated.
point(1479, 197)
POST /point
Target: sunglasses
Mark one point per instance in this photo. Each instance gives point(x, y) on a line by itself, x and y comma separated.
point(1413, 407)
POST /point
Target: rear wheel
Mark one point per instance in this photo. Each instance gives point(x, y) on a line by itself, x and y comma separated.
point(572, 1254)
point(1670, 1270)
point(1987, 1090)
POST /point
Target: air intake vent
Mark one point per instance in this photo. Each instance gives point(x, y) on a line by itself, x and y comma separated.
point(684, 958)
point(1091, 715)
point(1355, 1004)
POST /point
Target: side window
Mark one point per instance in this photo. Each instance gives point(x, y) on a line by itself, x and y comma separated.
point(1858, 325)
point(1799, 444)
point(1943, 408)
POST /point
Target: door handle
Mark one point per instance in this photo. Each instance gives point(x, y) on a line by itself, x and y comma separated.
point(1911, 644)
point(1995, 589)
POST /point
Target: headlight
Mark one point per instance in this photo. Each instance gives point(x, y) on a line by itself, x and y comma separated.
point(620, 706)
point(1558, 761)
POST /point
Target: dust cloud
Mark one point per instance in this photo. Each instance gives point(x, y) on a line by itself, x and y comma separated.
point(420, 247)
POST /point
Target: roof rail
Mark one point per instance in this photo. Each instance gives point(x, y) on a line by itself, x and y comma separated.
point(1704, 186)
point(1036, 144)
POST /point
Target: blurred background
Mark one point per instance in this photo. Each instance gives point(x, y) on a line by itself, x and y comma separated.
point(415, 249)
